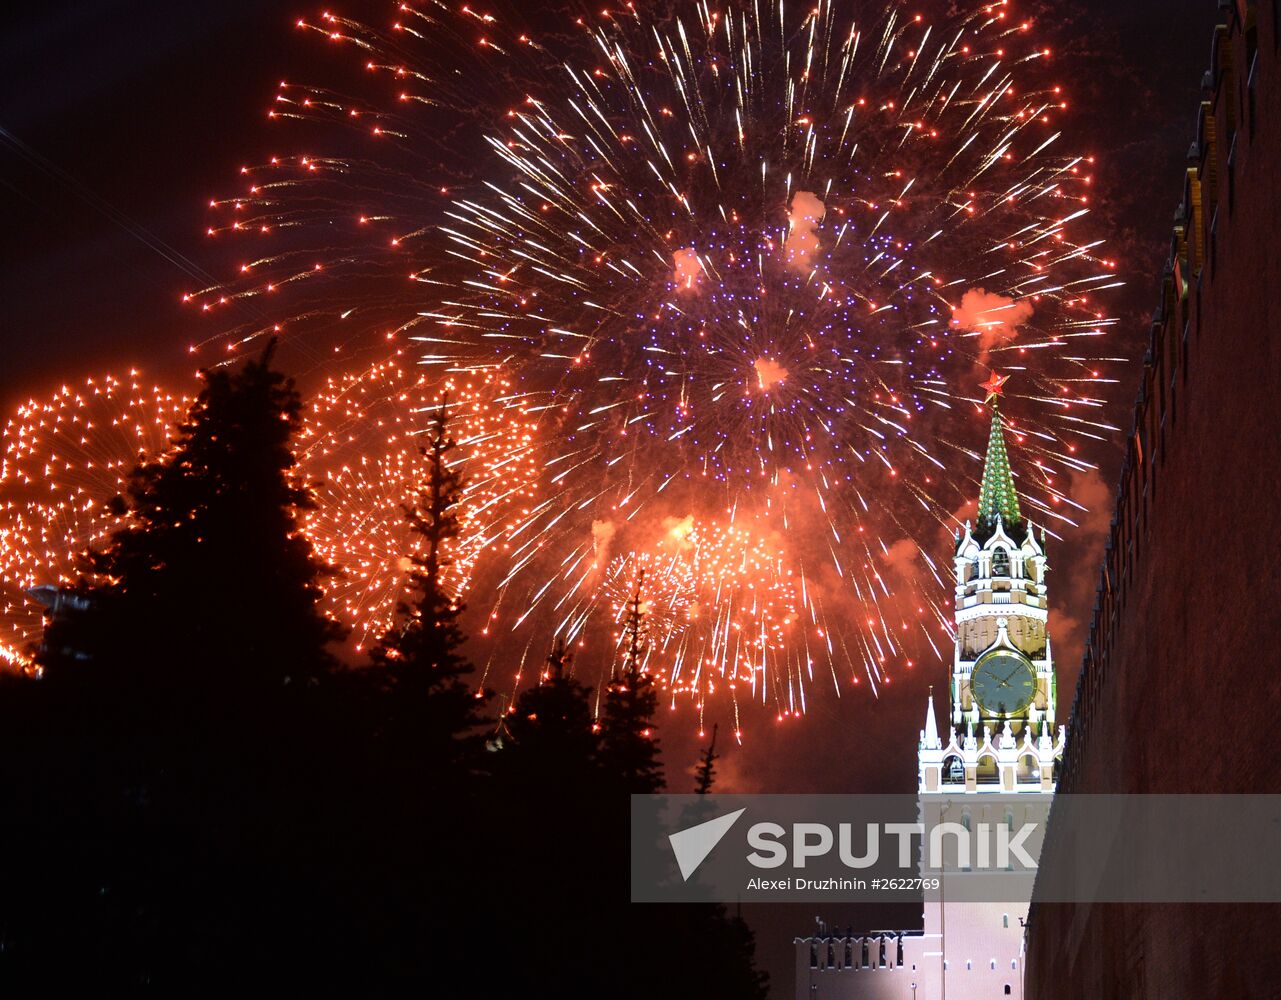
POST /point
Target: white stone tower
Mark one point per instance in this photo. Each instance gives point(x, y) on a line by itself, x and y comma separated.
point(1002, 739)
point(993, 762)
point(1002, 735)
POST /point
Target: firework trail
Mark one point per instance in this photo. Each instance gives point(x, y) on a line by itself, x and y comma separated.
point(744, 265)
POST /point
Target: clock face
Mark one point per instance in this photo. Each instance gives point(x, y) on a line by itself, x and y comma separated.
point(1003, 683)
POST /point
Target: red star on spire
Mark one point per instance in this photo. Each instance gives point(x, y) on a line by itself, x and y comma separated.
point(994, 386)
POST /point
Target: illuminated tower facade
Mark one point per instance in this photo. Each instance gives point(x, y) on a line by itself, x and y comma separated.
point(1003, 692)
point(997, 759)
point(993, 760)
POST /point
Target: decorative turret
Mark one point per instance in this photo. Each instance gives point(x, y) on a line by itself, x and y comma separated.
point(930, 738)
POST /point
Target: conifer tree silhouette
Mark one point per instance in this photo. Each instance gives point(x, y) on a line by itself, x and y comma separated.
point(187, 803)
point(179, 678)
point(551, 730)
point(433, 719)
point(629, 748)
point(209, 567)
point(706, 773)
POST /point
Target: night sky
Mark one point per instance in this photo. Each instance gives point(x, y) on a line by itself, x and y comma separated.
point(122, 119)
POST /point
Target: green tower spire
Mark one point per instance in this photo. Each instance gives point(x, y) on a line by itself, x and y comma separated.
point(997, 494)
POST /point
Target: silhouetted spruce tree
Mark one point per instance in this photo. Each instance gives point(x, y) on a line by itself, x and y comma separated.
point(418, 789)
point(629, 748)
point(705, 952)
point(433, 719)
point(209, 567)
point(551, 739)
point(180, 690)
point(547, 830)
point(563, 827)
point(706, 773)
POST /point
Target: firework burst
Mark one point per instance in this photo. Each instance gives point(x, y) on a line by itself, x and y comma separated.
point(68, 456)
point(65, 457)
point(744, 264)
point(360, 449)
point(719, 606)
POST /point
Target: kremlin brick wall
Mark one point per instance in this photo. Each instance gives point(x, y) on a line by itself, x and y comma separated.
point(1180, 688)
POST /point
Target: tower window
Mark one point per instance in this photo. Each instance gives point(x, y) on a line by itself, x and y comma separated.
point(1007, 989)
point(1000, 563)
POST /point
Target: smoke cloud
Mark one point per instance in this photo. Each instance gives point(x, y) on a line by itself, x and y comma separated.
point(804, 216)
point(602, 535)
point(676, 531)
point(688, 270)
point(901, 558)
point(994, 318)
point(769, 373)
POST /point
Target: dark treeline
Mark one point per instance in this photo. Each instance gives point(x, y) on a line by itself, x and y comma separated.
point(197, 793)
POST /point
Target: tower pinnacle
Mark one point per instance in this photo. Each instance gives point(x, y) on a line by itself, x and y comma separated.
point(930, 738)
point(997, 496)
